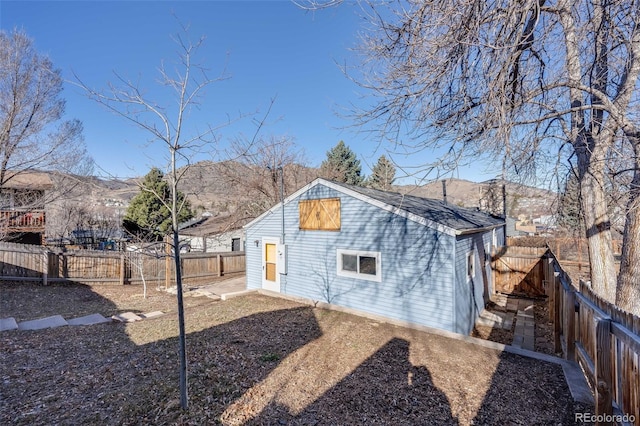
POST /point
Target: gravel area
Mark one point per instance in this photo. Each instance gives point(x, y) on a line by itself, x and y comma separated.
point(255, 360)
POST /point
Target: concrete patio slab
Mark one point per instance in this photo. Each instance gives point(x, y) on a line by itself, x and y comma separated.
point(126, 317)
point(89, 320)
point(8, 324)
point(227, 296)
point(203, 292)
point(39, 324)
point(232, 285)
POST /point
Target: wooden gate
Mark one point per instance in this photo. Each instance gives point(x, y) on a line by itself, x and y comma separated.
point(519, 270)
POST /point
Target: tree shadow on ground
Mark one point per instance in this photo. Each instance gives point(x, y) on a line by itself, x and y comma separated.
point(538, 385)
point(104, 374)
point(385, 389)
point(128, 373)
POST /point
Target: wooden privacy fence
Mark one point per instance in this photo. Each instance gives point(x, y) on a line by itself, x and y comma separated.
point(20, 262)
point(603, 339)
point(518, 270)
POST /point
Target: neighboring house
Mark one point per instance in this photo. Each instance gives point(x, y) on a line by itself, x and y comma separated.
point(511, 228)
point(22, 207)
point(402, 257)
point(211, 234)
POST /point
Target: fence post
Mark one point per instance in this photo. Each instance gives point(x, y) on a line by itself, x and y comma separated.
point(570, 324)
point(167, 264)
point(549, 271)
point(557, 288)
point(552, 299)
point(65, 266)
point(122, 269)
point(219, 265)
point(45, 267)
point(603, 379)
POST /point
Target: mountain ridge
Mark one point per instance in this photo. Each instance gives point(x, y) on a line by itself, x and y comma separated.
point(209, 188)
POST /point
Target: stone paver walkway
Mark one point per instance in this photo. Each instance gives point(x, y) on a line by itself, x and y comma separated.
point(58, 321)
point(218, 291)
point(524, 333)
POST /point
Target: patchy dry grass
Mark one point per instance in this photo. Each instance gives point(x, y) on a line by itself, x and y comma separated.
point(255, 360)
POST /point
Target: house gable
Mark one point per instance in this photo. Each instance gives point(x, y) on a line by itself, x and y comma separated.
point(448, 219)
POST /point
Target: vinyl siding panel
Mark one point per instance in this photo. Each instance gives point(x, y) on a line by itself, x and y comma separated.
point(416, 261)
point(471, 292)
point(270, 227)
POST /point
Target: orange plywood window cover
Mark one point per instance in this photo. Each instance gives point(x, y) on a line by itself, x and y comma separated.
point(322, 214)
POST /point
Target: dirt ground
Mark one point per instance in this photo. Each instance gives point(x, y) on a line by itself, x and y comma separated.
point(255, 360)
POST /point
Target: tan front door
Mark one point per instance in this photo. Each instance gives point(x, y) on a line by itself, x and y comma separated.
point(270, 276)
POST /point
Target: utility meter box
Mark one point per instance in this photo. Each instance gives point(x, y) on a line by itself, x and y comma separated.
point(282, 258)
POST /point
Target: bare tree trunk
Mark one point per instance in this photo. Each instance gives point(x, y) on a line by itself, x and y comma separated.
point(628, 288)
point(182, 335)
point(597, 225)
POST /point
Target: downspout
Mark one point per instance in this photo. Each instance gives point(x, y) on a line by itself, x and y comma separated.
point(282, 199)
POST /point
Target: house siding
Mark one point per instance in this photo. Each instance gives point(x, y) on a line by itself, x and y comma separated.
point(472, 293)
point(417, 267)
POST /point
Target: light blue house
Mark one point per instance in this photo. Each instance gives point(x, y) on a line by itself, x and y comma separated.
point(399, 256)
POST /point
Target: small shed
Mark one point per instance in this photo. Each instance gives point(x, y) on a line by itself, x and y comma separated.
point(399, 256)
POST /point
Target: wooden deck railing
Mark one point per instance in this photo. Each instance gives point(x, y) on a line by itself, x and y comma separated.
point(22, 221)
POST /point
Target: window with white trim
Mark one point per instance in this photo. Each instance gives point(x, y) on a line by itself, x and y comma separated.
point(364, 265)
point(470, 265)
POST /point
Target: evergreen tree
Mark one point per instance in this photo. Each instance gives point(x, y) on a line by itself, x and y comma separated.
point(149, 215)
point(569, 207)
point(383, 174)
point(342, 165)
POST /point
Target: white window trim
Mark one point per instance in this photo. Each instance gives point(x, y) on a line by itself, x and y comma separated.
point(471, 265)
point(375, 254)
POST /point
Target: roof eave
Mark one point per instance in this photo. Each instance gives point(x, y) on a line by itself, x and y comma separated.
point(392, 209)
point(476, 230)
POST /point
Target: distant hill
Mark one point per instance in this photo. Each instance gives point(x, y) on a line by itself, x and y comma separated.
point(522, 200)
point(229, 188)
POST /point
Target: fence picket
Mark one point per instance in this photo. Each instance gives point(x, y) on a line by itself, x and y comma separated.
point(35, 263)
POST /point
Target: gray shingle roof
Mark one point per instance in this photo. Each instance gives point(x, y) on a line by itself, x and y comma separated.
point(449, 215)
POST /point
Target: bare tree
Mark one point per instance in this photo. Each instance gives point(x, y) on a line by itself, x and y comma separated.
point(256, 169)
point(628, 290)
point(533, 82)
point(33, 137)
point(165, 124)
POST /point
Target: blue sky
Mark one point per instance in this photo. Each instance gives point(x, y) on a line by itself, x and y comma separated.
point(270, 49)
